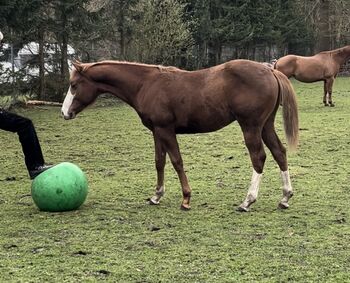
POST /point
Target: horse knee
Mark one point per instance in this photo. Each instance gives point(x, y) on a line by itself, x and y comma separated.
point(160, 163)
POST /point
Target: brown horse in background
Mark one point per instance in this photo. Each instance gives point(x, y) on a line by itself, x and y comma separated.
point(323, 66)
point(171, 101)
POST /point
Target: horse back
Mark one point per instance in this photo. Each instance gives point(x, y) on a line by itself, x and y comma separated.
point(307, 68)
point(209, 99)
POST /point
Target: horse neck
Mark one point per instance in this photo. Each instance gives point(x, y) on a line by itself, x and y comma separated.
point(342, 54)
point(122, 80)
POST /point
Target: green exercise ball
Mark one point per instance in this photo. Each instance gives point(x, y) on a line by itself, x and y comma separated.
point(62, 187)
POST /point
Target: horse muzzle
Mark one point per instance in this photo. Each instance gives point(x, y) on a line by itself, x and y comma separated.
point(68, 116)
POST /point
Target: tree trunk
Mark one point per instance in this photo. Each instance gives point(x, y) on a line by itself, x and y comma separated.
point(324, 30)
point(64, 55)
point(122, 32)
point(41, 94)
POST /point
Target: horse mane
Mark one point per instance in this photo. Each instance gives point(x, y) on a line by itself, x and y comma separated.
point(86, 66)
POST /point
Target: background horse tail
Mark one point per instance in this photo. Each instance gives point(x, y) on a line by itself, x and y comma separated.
point(289, 109)
point(275, 65)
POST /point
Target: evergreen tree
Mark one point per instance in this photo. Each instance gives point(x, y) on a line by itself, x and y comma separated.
point(171, 32)
point(159, 33)
point(297, 32)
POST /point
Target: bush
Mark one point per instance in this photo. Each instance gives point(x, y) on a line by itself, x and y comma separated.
point(8, 102)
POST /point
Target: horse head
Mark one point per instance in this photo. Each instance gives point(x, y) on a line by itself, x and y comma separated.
point(82, 92)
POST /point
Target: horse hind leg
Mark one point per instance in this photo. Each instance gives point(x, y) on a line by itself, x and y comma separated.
point(253, 191)
point(278, 151)
point(252, 137)
point(287, 190)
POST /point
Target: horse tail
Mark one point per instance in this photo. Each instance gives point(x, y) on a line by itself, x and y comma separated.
point(287, 98)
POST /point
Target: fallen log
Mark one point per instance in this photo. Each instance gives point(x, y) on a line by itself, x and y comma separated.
point(40, 102)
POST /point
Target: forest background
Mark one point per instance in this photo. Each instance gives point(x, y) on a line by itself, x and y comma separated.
point(190, 34)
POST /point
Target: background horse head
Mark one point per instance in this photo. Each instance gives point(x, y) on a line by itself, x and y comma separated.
point(323, 66)
point(171, 101)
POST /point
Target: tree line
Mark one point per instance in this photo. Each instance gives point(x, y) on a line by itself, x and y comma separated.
point(191, 34)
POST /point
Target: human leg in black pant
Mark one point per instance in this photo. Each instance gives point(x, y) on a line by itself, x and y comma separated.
point(28, 138)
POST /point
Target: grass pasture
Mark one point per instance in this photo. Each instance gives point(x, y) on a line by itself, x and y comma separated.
point(117, 237)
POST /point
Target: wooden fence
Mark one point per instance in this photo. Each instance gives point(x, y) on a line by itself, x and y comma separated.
point(345, 69)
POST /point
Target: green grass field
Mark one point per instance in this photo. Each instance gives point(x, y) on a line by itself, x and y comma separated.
point(116, 236)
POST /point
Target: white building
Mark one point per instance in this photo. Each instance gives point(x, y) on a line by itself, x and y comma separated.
point(21, 61)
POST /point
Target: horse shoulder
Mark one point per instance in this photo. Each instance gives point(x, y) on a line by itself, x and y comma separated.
point(156, 99)
point(330, 66)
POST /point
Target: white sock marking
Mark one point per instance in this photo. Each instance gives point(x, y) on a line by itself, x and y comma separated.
point(253, 190)
point(287, 185)
point(254, 185)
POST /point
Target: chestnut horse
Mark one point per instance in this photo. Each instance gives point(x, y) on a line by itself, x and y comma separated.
point(171, 101)
point(323, 66)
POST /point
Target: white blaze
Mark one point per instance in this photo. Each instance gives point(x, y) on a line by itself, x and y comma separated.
point(67, 103)
point(1, 36)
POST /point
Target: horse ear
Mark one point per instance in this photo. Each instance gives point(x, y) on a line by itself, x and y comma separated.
point(77, 65)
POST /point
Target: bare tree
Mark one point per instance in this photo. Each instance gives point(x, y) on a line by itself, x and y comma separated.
point(329, 20)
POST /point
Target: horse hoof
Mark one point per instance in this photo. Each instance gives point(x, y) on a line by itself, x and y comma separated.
point(153, 201)
point(283, 205)
point(331, 105)
point(185, 207)
point(242, 209)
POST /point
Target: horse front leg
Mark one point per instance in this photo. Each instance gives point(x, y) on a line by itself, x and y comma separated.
point(329, 86)
point(325, 94)
point(160, 158)
point(327, 97)
point(167, 137)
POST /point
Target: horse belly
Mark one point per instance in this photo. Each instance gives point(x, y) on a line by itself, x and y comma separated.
point(309, 74)
point(204, 122)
